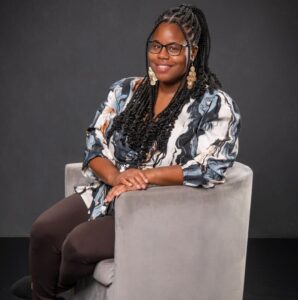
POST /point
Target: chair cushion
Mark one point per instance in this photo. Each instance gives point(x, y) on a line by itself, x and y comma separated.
point(104, 271)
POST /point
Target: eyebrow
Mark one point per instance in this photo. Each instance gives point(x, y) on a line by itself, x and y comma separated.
point(181, 43)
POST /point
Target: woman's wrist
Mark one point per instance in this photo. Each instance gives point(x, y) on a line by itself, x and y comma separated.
point(171, 175)
point(150, 174)
point(104, 169)
point(112, 178)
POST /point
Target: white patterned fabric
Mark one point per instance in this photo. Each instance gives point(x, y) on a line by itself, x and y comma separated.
point(204, 141)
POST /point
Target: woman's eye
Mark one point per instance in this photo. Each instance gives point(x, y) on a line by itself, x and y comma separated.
point(174, 48)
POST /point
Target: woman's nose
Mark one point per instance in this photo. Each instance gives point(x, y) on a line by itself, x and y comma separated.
point(163, 53)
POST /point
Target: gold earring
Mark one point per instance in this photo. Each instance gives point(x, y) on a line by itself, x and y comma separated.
point(192, 77)
point(152, 76)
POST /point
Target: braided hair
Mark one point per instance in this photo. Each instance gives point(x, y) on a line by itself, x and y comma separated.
point(144, 133)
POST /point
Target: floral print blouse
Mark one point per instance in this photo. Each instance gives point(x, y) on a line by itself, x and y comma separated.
point(204, 142)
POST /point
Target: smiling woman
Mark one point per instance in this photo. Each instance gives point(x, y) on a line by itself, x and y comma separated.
point(167, 62)
point(172, 126)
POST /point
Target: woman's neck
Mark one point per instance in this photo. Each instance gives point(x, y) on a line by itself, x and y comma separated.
point(168, 88)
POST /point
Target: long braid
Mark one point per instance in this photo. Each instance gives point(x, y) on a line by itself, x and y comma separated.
point(140, 130)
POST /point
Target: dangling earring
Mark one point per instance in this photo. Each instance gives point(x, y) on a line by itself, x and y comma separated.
point(192, 77)
point(152, 76)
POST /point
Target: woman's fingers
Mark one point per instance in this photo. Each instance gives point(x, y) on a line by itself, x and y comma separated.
point(140, 180)
point(137, 182)
point(109, 197)
point(145, 179)
point(111, 194)
point(115, 192)
point(131, 181)
point(134, 173)
point(141, 177)
point(126, 182)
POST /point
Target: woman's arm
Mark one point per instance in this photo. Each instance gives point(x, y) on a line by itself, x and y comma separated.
point(217, 146)
point(171, 175)
point(99, 160)
point(109, 174)
point(97, 155)
point(104, 169)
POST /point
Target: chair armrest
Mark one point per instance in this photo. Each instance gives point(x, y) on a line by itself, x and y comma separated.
point(176, 240)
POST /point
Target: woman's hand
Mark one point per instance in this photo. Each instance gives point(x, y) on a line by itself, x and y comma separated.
point(117, 190)
point(133, 178)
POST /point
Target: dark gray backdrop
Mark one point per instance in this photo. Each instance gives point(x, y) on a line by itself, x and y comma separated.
point(58, 58)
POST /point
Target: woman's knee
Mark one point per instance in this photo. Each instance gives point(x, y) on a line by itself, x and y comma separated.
point(42, 229)
point(74, 249)
point(90, 242)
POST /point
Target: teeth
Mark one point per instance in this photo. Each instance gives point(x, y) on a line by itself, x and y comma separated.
point(163, 68)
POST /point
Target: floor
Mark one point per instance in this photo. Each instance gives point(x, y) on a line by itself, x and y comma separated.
point(271, 268)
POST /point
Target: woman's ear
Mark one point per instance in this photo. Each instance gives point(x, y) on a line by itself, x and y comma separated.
point(194, 52)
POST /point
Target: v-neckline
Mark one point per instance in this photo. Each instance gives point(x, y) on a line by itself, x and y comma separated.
point(154, 116)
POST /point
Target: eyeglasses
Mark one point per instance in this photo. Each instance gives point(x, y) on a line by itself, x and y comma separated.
point(173, 49)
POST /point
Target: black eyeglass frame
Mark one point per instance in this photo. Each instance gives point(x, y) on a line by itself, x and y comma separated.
point(166, 46)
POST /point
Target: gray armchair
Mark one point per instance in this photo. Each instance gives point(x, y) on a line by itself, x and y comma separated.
point(175, 242)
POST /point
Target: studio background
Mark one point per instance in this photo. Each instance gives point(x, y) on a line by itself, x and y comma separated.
point(58, 59)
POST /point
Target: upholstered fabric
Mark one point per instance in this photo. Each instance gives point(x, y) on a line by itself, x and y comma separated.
point(73, 177)
point(177, 242)
point(105, 271)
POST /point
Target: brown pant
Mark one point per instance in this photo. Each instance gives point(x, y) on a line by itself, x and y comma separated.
point(65, 247)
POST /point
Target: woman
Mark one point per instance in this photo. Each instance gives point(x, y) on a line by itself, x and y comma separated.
point(174, 126)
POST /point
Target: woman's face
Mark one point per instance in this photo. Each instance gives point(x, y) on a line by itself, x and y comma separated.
point(167, 68)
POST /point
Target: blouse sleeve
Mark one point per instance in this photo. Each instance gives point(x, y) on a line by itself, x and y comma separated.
point(96, 142)
point(96, 134)
point(217, 146)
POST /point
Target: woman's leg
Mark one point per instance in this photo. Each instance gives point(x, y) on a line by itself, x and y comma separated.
point(47, 236)
point(87, 244)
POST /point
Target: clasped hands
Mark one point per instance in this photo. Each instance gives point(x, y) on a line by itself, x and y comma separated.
point(128, 180)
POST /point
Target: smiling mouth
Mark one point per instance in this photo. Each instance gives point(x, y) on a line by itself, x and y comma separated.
point(163, 68)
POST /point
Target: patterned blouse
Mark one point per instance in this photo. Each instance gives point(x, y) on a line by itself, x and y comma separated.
point(204, 142)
